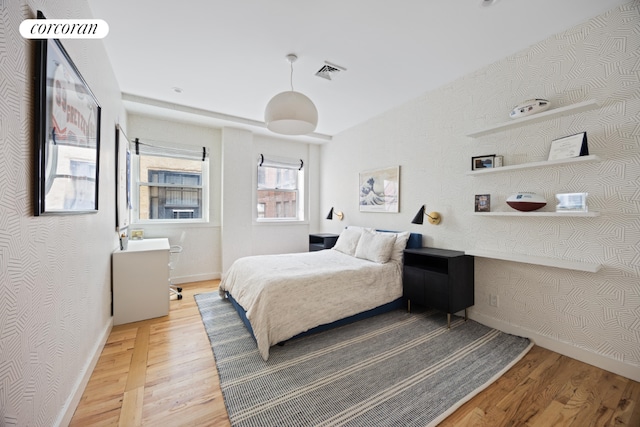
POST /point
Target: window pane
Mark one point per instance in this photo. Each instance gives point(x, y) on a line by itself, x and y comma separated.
point(172, 165)
point(170, 202)
point(277, 178)
point(277, 204)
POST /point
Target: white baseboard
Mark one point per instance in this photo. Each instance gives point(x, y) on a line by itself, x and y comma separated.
point(74, 397)
point(564, 348)
point(178, 280)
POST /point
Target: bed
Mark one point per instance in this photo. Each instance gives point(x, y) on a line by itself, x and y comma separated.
point(283, 296)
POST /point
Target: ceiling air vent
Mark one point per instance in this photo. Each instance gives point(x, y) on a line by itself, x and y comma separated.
point(329, 71)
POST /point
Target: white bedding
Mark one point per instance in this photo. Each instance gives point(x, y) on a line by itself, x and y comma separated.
point(285, 295)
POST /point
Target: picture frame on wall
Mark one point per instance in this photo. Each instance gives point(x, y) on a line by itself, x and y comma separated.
point(379, 190)
point(123, 175)
point(483, 162)
point(569, 146)
point(67, 135)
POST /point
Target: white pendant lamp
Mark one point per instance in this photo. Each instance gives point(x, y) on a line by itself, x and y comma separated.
point(290, 112)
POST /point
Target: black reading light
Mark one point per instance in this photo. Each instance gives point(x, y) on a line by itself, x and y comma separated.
point(338, 214)
point(434, 217)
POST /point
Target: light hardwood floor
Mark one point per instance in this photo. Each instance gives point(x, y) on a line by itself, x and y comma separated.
point(162, 372)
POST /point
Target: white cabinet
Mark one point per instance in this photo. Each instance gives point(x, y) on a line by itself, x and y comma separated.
point(141, 281)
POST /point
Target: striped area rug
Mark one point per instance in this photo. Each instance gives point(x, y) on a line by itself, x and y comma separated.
point(395, 369)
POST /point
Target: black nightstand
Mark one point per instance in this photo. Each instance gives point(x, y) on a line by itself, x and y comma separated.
point(320, 241)
point(438, 278)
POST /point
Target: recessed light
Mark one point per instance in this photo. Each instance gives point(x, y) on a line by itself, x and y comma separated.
point(488, 2)
point(176, 89)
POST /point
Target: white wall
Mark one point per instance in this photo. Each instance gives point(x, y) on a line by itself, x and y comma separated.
point(589, 316)
point(54, 270)
point(201, 257)
point(242, 235)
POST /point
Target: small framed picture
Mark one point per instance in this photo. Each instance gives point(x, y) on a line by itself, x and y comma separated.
point(482, 162)
point(483, 202)
point(569, 146)
point(137, 234)
point(571, 202)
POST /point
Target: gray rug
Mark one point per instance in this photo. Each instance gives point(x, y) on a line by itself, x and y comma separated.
point(395, 369)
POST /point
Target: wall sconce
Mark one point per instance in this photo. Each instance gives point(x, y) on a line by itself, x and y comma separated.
point(434, 217)
point(338, 214)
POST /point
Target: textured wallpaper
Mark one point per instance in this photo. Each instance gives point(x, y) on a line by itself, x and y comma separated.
point(54, 270)
point(600, 311)
point(597, 313)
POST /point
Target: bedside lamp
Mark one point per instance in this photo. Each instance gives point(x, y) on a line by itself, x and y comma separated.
point(338, 214)
point(434, 217)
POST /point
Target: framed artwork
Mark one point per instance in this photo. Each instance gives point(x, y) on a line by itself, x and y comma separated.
point(379, 190)
point(483, 203)
point(123, 172)
point(482, 162)
point(67, 135)
point(569, 146)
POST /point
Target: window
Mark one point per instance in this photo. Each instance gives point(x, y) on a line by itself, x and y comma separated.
point(170, 184)
point(173, 194)
point(280, 190)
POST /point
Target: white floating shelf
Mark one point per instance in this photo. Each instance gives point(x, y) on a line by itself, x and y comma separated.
point(534, 213)
point(535, 118)
point(532, 165)
point(528, 259)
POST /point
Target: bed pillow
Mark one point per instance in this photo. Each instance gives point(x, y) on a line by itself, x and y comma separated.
point(375, 247)
point(357, 227)
point(348, 241)
point(399, 246)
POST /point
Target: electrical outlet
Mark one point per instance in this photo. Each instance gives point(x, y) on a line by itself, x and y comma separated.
point(493, 300)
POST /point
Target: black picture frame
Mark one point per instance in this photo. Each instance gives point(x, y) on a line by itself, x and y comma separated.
point(67, 133)
point(483, 203)
point(123, 174)
point(482, 162)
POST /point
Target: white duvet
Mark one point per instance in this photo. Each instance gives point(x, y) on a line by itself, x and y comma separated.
point(285, 295)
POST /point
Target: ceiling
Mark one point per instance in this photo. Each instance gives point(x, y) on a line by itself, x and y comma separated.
point(228, 56)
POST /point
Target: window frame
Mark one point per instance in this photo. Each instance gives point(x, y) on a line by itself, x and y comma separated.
point(301, 190)
point(136, 184)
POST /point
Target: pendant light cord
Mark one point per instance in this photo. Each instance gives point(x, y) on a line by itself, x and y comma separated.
point(291, 78)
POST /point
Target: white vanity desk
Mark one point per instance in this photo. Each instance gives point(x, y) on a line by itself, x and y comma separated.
point(141, 281)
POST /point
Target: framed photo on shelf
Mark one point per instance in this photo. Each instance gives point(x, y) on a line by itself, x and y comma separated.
point(569, 146)
point(571, 202)
point(483, 203)
point(482, 162)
